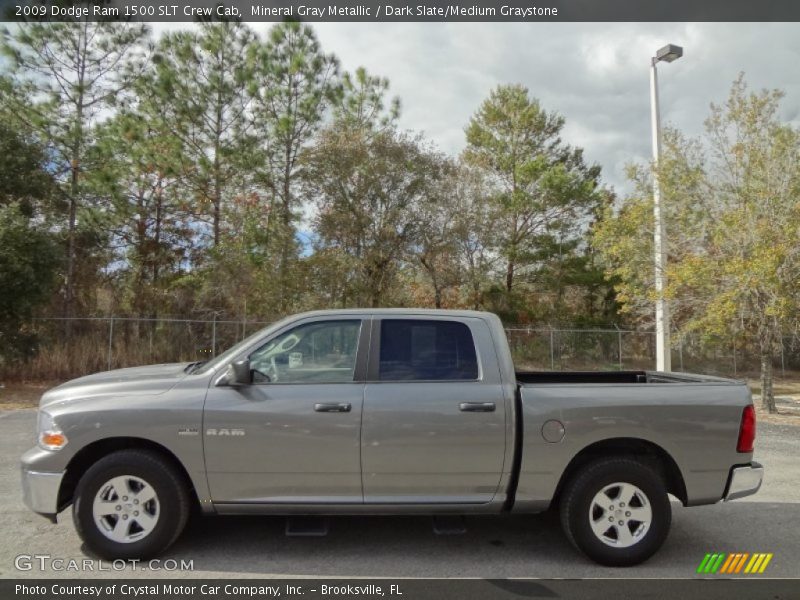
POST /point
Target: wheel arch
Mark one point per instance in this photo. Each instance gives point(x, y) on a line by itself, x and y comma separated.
point(93, 452)
point(640, 449)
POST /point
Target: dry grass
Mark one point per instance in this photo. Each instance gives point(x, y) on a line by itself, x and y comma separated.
point(23, 395)
point(781, 387)
point(787, 400)
point(62, 361)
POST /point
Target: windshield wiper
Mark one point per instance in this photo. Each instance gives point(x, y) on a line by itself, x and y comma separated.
point(192, 367)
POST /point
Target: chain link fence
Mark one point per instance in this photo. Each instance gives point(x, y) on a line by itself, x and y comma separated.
point(618, 349)
point(74, 347)
point(77, 346)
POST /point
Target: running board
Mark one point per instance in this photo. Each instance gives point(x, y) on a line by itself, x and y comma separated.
point(306, 526)
point(449, 525)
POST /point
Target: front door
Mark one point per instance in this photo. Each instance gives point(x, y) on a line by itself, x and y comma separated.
point(293, 435)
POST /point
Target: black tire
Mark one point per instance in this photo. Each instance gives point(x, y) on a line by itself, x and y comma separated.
point(172, 507)
point(578, 499)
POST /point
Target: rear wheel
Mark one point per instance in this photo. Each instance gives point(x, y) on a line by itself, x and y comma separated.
point(616, 511)
point(130, 504)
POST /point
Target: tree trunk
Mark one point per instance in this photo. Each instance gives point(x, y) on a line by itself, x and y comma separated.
point(767, 393)
point(375, 301)
point(286, 222)
point(374, 283)
point(69, 284)
point(509, 275)
point(217, 218)
point(75, 165)
point(217, 199)
point(72, 222)
point(437, 289)
point(140, 298)
point(157, 236)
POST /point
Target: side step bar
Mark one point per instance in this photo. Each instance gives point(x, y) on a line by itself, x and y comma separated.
point(449, 525)
point(306, 526)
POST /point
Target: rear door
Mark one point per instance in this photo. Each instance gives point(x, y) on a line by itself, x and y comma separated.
point(434, 424)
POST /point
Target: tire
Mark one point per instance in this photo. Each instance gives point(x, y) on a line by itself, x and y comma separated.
point(593, 526)
point(130, 504)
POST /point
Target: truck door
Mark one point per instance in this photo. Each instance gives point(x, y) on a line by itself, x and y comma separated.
point(293, 435)
point(434, 426)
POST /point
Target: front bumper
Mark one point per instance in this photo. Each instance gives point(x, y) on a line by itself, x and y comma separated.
point(744, 481)
point(40, 491)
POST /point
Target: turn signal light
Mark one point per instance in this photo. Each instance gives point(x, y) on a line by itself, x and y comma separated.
point(747, 430)
point(53, 440)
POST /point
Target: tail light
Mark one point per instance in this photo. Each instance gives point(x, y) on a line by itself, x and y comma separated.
point(747, 430)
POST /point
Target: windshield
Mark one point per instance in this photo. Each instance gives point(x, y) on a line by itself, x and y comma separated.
point(235, 349)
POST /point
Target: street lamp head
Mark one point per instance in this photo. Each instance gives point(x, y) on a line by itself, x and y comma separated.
point(669, 53)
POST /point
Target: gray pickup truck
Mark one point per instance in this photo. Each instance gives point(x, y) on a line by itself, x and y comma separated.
point(386, 412)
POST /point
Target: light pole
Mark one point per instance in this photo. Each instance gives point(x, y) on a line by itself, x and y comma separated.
point(668, 53)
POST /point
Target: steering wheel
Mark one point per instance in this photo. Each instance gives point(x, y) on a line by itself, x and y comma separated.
point(274, 369)
point(271, 372)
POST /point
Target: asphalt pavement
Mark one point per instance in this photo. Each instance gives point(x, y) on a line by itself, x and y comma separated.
point(492, 547)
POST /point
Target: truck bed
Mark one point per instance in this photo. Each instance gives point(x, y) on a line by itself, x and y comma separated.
point(692, 419)
point(526, 378)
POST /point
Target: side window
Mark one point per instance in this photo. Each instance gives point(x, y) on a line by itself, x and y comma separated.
point(322, 352)
point(426, 351)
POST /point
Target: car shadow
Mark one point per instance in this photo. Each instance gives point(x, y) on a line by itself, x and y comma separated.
point(369, 546)
point(501, 546)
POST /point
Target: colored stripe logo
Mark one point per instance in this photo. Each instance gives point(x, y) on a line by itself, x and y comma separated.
point(722, 563)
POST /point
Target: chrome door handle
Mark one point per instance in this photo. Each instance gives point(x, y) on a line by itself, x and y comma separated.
point(340, 407)
point(476, 407)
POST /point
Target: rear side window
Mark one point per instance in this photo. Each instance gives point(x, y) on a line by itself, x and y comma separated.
point(426, 351)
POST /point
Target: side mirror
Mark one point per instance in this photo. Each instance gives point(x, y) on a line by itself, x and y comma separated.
point(239, 373)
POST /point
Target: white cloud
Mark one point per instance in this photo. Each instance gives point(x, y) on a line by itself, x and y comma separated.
point(595, 74)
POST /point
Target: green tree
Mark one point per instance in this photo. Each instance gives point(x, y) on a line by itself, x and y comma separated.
point(147, 221)
point(369, 187)
point(29, 252)
point(455, 239)
point(475, 226)
point(366, 185)
point(23, 178)
point(363, 104)
point(436, 246)
point(733, 208)
point(28, 258)
point(540, 186)
point(241, 271)
point(63, 76)
point(570, 277)
point(295, 83)
point(200, 84)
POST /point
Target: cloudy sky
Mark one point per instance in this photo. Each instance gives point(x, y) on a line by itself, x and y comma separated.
point(596, 75)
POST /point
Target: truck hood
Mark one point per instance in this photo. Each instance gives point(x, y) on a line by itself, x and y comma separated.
point(136, 381)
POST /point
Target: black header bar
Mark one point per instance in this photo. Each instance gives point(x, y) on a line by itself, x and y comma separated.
point(394, 589)
point(526, 11)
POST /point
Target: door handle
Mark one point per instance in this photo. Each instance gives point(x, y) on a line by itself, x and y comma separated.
point(333, 407)
point(476, 407)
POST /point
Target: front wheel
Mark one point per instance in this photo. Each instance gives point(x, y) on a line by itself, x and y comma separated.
point(616, 511)
point(130, 504)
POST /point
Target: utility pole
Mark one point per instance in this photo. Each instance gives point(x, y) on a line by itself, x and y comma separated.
point(668, 53)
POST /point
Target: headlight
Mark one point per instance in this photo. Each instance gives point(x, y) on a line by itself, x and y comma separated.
point(50, 435)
